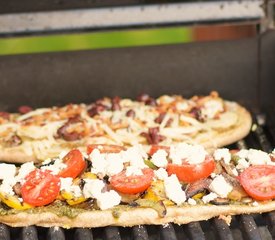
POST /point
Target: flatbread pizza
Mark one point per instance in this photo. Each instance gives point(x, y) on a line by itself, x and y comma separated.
point(34, 135)
point(114, 185)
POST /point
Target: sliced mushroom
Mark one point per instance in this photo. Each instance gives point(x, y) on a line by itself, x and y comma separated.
point(197, 187)
point(220, 201)
point(227, 168)
point(218, 168)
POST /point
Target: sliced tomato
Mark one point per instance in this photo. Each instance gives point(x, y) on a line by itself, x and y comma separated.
point(132, 184)
point(192, 172)
point(155, 148)
point(105, 148)
point(259, 181)
point(40, 188)
point(75, 164)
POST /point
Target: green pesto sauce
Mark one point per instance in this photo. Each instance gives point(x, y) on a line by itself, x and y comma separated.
point(62, 209)
point(57, 208)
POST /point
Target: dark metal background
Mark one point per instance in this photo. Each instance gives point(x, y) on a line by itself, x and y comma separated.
point(230, 67)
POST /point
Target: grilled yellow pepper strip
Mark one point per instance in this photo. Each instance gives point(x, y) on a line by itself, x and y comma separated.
point(13, 202)
point(71, 199)
point(156, 193)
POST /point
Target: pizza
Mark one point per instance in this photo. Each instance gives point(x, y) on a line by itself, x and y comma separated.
point(114, 185)
point(34, 135)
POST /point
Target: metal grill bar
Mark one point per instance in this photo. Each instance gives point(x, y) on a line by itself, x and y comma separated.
point(222, 229)
point(56, 233)
point(194, 231)
point(249, 227)
point(112, 233)
point(140, 233)
point(270, 217)
point(83, 234)
point(167, 232)
point(29, 233)
point(4, 232)
point(258, 131)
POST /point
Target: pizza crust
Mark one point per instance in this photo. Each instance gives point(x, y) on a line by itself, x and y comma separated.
point(132, 217)
point(228, 136)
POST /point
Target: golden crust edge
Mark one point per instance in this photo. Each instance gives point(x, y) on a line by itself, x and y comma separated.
point(132, 217)
point(238, 132)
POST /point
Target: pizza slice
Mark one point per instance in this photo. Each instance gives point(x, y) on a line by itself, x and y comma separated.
point(113, 185)
point(38, 134)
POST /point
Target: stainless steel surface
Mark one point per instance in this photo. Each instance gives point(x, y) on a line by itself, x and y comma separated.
point(129, 16)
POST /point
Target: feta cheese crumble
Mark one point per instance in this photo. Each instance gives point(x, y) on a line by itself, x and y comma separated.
point(160, 174)
point(67, 185)
point(7, 171)
point(220, 186)
point(133, 171)
point(24, 170)
point(56, 167)
point(93, 188)
point(159, 158)
point(222, 154)
point(209, 197)
point(211, 108)
point(108, 200)
point(191, 201)
point(173, 189)
point(193, 154)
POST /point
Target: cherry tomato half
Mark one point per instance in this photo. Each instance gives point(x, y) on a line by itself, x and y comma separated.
point(75, 164)
point(40, 188)
point(132, 184)
point(192, 172)
point(105, 148)
point(155, 148)
point(259, 181)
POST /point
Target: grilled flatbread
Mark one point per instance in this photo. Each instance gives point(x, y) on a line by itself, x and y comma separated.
point(44, 133)
point(111, 185)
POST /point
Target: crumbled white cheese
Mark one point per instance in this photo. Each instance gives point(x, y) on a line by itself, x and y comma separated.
point(7, 189)
point(24, 170)
point(7, 170)
point(98, 162)
point(173, 189)
point(235, 172)
point(213, 175)
point(108, 200)
point(242, 164)
point(114, 164)
point(220, 186)
point(255, 204)
point(257, 157)
point(222, 154)
point(135, 155)
point(133, 171)
point(67, 185)
point(56, 167)
point(62, 154)
point(211, 108)
point(193, 154)
point(209, 197)
point(182, 106)
point(161, 174)
point(191, 201)
point(242, 153)
point(159, 158)
point(93, 188)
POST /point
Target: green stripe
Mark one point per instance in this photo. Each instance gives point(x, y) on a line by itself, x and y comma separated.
point(96, 40)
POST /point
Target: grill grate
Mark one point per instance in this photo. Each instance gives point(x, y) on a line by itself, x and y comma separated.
point(252, 227)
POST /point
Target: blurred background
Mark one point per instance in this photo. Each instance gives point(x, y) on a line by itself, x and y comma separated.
point(58, 25)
